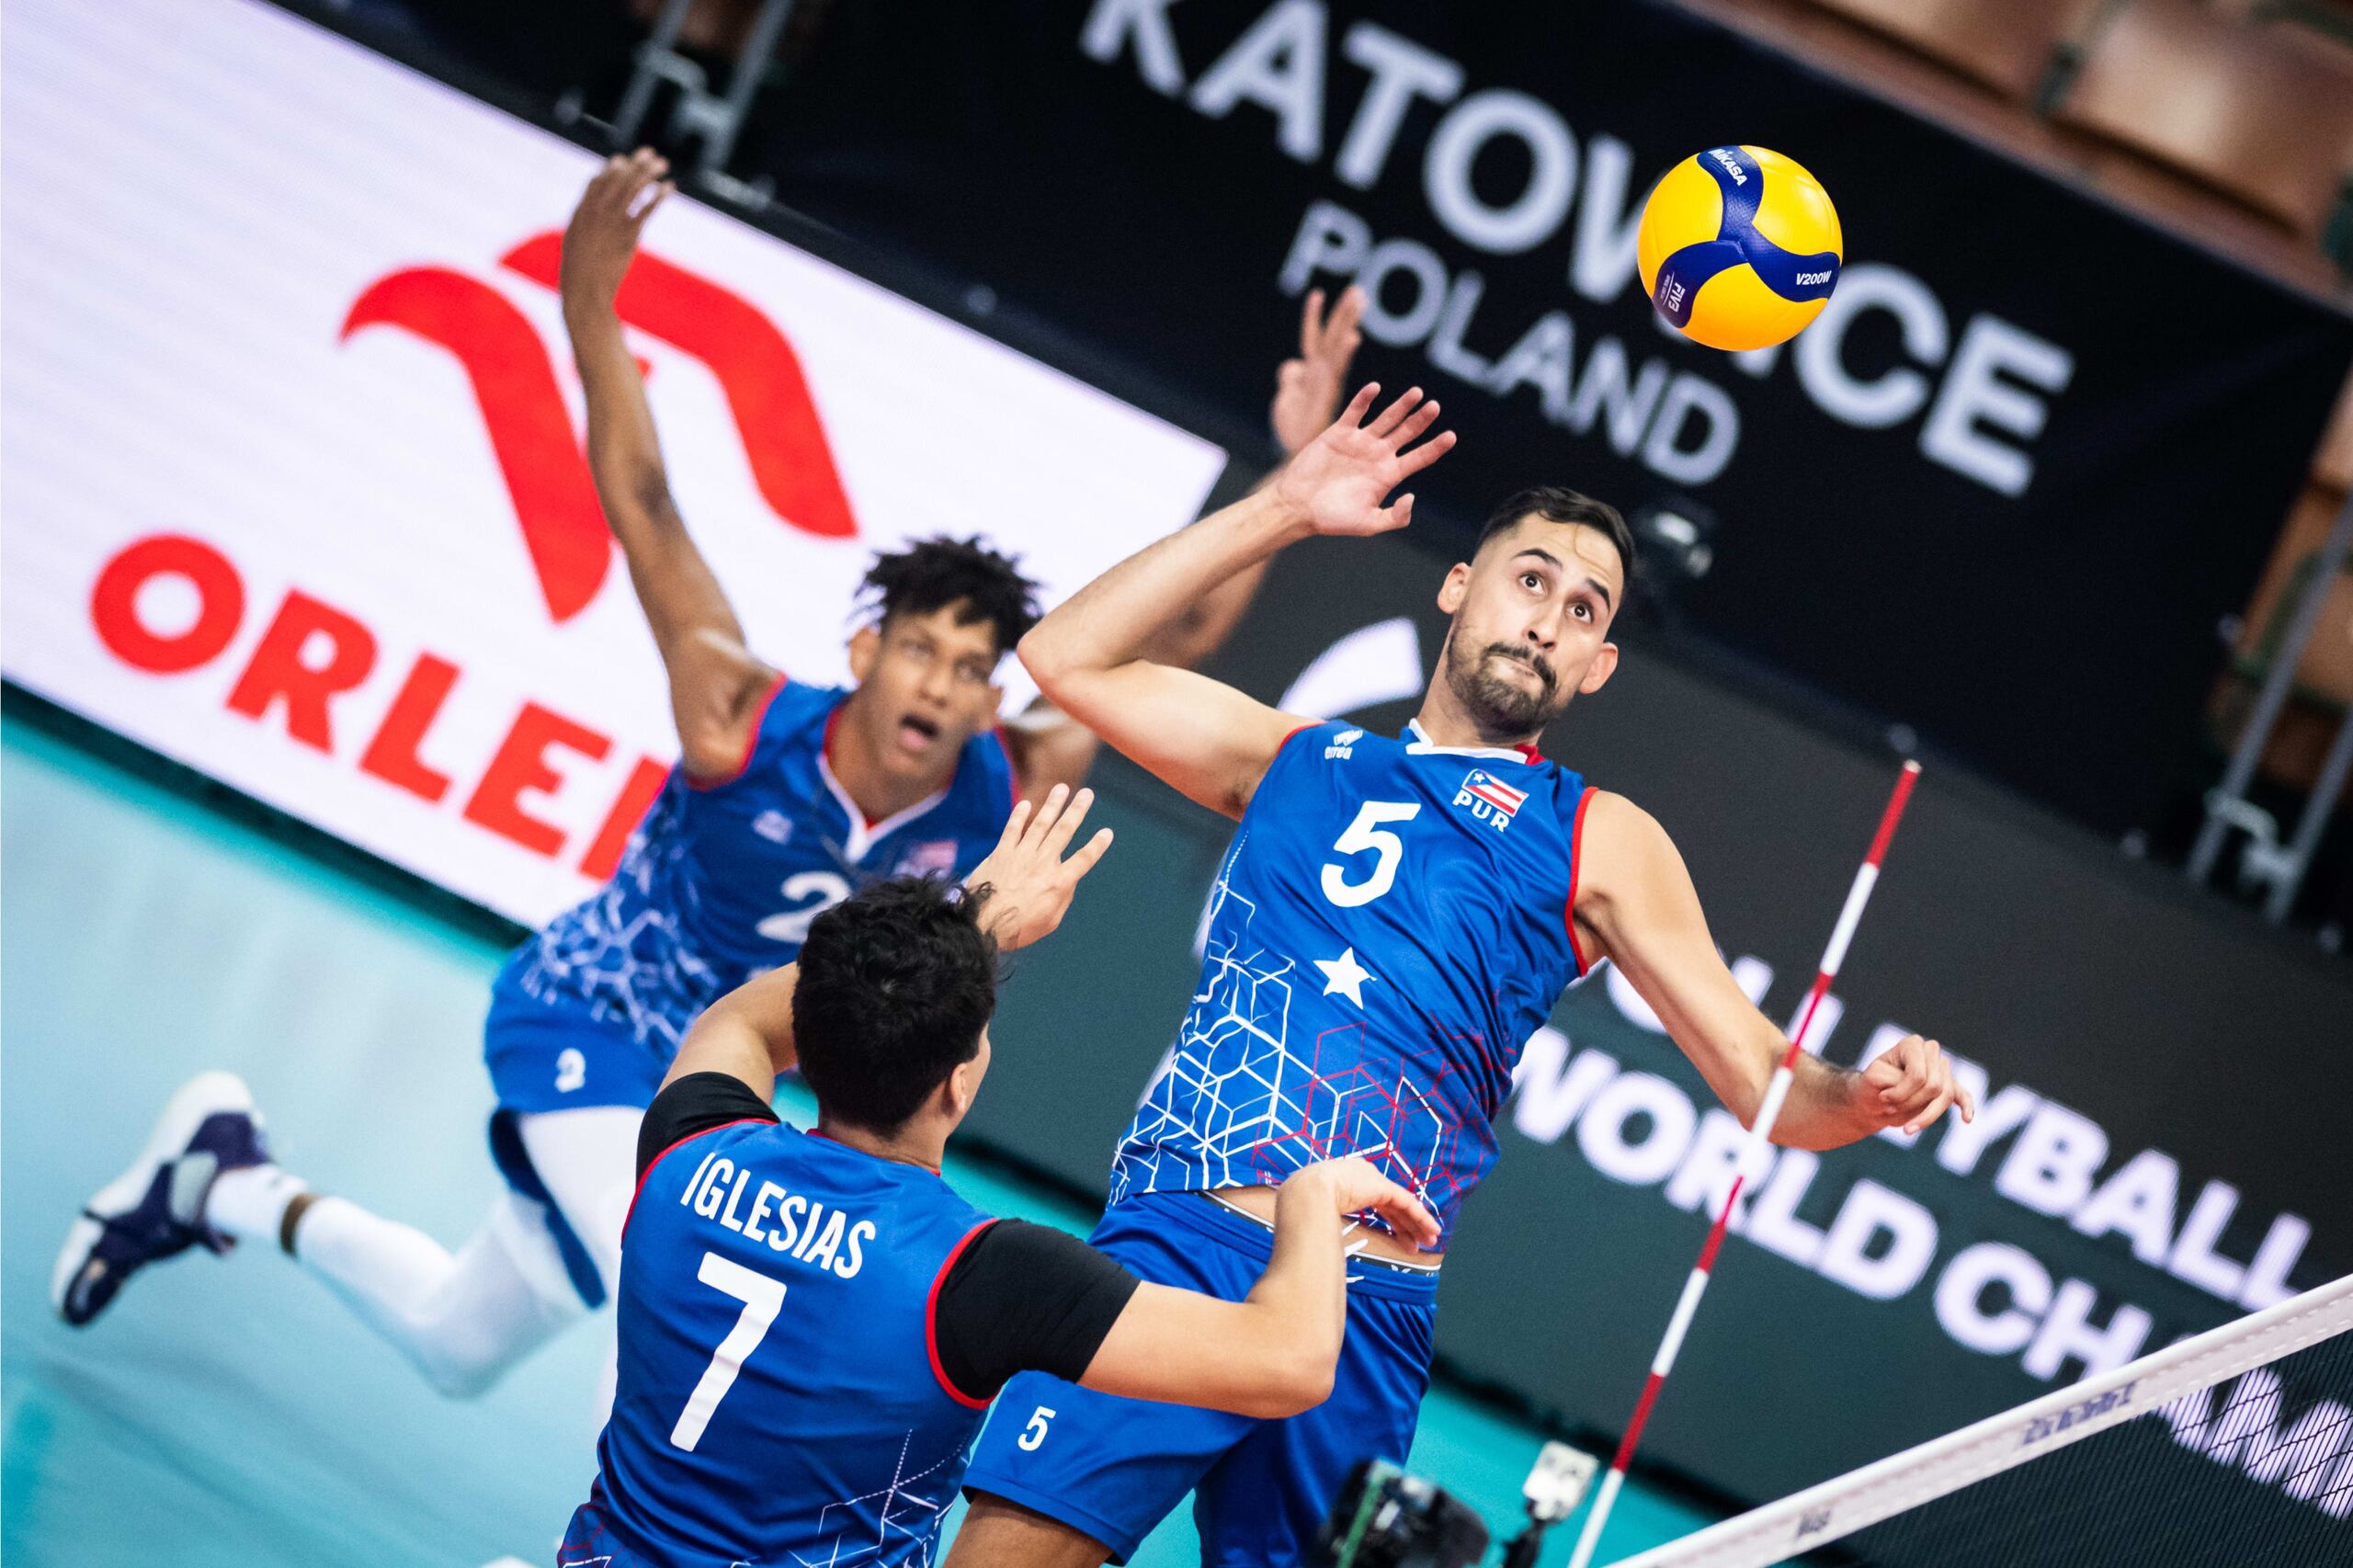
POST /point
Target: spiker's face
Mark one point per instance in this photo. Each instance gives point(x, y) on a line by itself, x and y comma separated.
point(1532, 615)
point(925, 687)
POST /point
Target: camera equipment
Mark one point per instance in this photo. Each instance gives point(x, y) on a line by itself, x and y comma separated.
point(1386, 1518)
point(1552, 1489)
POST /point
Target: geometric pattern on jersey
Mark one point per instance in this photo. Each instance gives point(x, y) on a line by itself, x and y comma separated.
point(833, 1442)
point(892, 1523)
point(1255, 1109)
point(1387, 929)
point(722, 881)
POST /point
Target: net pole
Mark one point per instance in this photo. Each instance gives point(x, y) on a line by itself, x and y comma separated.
point(1752, 1152)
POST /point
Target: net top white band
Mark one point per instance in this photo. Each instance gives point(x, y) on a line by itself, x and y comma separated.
point(1837, 1508)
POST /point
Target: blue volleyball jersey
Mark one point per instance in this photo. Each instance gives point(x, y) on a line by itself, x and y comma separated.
point(1389, 927)
point(778, 1398)
point(722, 881)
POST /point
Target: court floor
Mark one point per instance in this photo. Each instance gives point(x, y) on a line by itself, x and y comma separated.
point(227, 1411)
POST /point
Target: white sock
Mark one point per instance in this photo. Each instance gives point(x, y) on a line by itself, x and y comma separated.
point(251, 1203)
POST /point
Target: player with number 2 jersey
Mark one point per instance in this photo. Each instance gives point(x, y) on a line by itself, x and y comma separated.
point(1395, 918)
point(787, 798)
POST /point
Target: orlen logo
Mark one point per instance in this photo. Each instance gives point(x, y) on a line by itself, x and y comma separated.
point(313, 656)
point(530, 429)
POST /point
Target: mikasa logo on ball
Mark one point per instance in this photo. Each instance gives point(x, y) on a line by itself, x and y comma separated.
point(1730, 163)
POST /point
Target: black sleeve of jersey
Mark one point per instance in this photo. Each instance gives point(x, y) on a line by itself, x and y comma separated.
point(1025, 1298)
point(695, 1102)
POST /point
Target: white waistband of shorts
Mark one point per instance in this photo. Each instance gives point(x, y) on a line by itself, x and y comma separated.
point(1356, 1249)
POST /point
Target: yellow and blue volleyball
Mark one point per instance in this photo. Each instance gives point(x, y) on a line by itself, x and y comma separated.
point(1739, 247)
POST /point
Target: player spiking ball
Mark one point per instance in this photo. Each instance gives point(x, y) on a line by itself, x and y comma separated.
point(1395, 917)
point(787, 797)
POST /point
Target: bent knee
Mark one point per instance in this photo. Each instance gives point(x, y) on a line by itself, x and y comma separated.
point(460, 1375)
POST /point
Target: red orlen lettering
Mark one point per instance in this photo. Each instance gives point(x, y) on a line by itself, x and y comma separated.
point(522, 765)
point(392, 753)
point(114, 603)
point(277, 672)
point(775, 417)
point(603, 856)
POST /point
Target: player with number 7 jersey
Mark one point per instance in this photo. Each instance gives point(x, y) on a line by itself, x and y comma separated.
point(812, 1323)
point(1392, 921)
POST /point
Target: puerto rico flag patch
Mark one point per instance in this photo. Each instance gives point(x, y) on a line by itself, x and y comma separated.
point(937, 858)
point(1489, 798)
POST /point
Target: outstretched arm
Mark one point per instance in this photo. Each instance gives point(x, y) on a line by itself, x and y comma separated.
point(1637, 907)
point(1271, 1354)
point(1208, 741)
point(1048, 745)
point(715, 683)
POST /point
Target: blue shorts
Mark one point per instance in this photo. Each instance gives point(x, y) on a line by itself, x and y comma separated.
point(1114, 1468)
point(549, 1055)
point(559, 1054)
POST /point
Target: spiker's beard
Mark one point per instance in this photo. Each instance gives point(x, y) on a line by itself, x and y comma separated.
point(1501, 709)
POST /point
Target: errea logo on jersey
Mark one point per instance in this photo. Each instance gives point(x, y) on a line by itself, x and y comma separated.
point(1341, 743)
point(1490, 799)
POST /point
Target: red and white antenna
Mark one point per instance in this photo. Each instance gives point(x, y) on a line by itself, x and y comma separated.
point(1752, 1154)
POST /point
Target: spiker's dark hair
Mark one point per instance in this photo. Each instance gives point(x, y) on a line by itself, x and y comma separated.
point(933, 573)
point(1558, 504)
point(896, 983)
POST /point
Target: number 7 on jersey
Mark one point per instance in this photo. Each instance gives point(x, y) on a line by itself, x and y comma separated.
point(762, 1298)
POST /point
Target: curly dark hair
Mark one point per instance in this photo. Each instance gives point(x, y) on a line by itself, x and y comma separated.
point(935, 573)
point(896, 983)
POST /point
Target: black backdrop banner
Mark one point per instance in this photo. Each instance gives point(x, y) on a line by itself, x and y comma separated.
point(2160, 1145)
point(2003, 490)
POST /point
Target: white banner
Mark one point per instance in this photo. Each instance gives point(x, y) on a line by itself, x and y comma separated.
point(291, 470)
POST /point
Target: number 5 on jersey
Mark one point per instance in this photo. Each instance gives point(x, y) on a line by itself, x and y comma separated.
point(1033, 1436)
point(1364, 834)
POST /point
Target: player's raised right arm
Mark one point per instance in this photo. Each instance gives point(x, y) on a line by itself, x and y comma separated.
point(1212, 743)
point(715, 681)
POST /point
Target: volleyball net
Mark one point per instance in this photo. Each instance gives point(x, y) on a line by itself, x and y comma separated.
point(2232, 1447)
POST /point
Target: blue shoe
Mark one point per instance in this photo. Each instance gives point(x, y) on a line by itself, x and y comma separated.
point(155, 1209)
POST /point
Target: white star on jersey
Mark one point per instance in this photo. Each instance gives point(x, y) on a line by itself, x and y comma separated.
point(1344, 974)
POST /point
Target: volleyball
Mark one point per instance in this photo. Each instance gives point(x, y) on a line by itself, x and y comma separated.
point(1739, 247)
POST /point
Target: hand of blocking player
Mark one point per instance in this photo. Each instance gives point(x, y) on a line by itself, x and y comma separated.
point(601, 240)
point(1307, 390)
point(1028, 883)
point(1335, 483)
